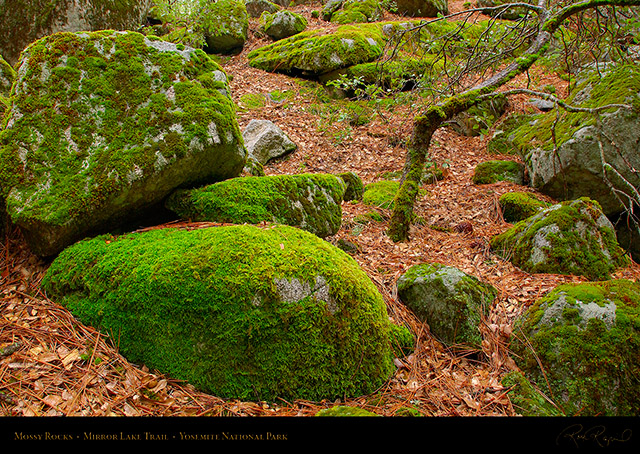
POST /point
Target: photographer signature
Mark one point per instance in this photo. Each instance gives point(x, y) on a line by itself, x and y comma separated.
point(578, 434)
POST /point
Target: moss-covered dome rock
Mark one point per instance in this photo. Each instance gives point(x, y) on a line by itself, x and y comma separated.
point(38, 18)
point(239, 311)
point(352, 11)
point(316, 52)
point(422, 8)
point(311, 202)
point(105, 124)
point(452, 302)
point(579, 345)
point(572, 237)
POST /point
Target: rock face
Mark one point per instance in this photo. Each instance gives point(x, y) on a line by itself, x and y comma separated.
point(264, 141)
point(240, 312)
point(449, 300)
point(586, 339)
point(282, 24)
point(572, 237)
point(120, 121)
point(37, 18)
point(576, 169)
point(225, 24)
point(313, 52)
point(310, 202)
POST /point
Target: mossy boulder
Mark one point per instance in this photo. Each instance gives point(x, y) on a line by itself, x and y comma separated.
point(104, 125)
point(352, 11)
point(255, 8)
point(225, 24)
point(579, 345)
point(282, 24)
point(240, 312)
point(572, 237)
point(562, 151)
point(380, 193)
point(493, 10)
point(489, 172)
point(450, 301)
point(526, 399)
point(311, 202)
point(315, 52)
point(35, 19)
point(354, 187)
point(517, 205)
point(422, 8)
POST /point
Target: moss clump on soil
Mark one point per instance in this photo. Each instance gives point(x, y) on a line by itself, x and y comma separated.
point(572, 237)
point(493, 171)
point(344, 410)
point(239, 312)
point(517, 206)
point(310, 201)
point(380, 194)
point(586, 337)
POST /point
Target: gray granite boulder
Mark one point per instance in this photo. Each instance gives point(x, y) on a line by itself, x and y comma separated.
point(265, 141)
point(450, 301)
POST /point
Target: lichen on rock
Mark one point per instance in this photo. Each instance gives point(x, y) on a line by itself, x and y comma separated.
point(450, 301)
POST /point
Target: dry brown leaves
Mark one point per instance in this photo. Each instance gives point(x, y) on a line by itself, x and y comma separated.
point(52, 365)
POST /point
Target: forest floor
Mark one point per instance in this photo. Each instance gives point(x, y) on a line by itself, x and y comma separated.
point(60, 367)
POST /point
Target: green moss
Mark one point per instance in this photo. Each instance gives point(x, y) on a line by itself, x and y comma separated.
point(206, 306)
point(315, 52)
point(369, 216)
point(450, 301)
point(586, 338)
point(344, 410)
point(354, 186)
point(517, 206)
point(311, 202)
point(225, 24)
point(354, 11)
point(493, 171)
point(554, 241)
point(100, 112)
point(526, 399)
point(618, 85)
point(380, 194)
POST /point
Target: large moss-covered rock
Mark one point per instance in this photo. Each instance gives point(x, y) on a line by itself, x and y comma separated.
point(25, 21)
point(579, 345)
point(316, 52)
point(104, 125)
point(352, 11)
point(572, 237)
point(240, 311)
point(572, 166)
point(450, 301)
point(282, 24)
point(225, 24)
point(310, 202)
